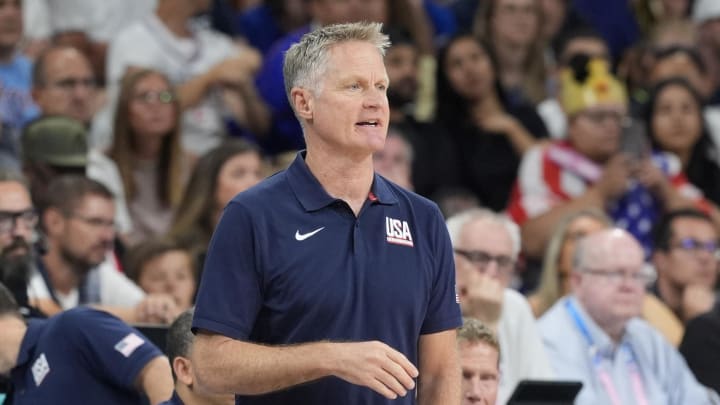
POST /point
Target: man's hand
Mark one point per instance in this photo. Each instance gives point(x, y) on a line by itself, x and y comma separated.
point(482, 295)
point(157, 308)
point(237, 69)
point(374, 365)
point(614, 180)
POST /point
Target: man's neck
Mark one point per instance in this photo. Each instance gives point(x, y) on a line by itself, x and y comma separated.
point(345, 177)
point(512, 59)
point(189, 397)
point(13, 332)
point(62, 276)
point(175, 18)
point(671, 295)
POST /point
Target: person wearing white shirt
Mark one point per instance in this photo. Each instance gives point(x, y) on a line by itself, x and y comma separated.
point(486, 247)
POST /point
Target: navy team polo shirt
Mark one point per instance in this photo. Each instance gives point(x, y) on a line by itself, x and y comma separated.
point(80, 356)
point(289, 264)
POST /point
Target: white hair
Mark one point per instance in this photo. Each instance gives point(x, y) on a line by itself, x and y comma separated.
point(457, 222)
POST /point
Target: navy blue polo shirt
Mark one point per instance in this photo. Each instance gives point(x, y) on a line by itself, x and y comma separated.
point(80, 356)
point(174, 400)
point(289, 264)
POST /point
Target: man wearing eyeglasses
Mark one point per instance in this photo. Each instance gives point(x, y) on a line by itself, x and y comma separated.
point(686, 259)
point(64, 86)
point(17, 226)
point(486, 247)
point(595, 335)
point(77, 268)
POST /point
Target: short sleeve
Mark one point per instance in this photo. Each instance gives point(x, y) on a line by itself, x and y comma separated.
point(229, 297)
point(112, 349)
point(443, 311)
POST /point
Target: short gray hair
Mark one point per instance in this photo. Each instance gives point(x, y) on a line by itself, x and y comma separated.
point(457, 222)
point(306, 61)
point(474, 331)
point(179, 337)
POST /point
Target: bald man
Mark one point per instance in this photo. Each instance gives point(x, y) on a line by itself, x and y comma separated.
point(595, 334)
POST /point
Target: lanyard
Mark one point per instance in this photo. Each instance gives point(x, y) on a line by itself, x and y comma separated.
point(602, 373)
point(88, 289)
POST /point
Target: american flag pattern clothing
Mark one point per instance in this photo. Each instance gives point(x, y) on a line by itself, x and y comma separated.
point(554, 173)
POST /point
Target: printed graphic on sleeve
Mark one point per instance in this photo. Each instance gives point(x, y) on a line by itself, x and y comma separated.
point(129, 344)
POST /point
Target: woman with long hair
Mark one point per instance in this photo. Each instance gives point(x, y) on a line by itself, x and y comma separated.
point(513, 31)
point(147, 150)
point(490, 135)
point(674, 118)
point(220, 174)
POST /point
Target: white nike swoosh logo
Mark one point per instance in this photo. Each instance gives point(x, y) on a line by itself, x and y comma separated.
point(303, 236)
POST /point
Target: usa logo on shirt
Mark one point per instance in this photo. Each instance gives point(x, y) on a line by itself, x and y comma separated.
point(398, 232)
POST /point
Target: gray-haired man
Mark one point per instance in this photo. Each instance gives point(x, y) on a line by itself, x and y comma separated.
point(327, 284)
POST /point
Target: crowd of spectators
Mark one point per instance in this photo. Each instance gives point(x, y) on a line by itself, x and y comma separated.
point(127, 126)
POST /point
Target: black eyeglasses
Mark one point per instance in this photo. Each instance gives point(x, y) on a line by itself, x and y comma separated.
point(482, 260)
point(697, 246)
point(28, 218)
point(164, 97)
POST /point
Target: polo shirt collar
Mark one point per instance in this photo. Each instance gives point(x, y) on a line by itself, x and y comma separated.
point(312, 195)
point(602, 340)
point(32, 336)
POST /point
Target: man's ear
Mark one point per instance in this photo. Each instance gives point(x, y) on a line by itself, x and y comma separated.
point(183, 370)
point(302, 102)
point(53, 221)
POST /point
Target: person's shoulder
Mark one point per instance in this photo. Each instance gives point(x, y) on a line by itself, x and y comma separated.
point(264, 193)
point(132, 31)
point(209, 36)
point(650, 338)
point(553, 317)
point(410, 198)
point(80, 319)
point(515, 299)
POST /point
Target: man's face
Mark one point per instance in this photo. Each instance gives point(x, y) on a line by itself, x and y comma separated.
point(85, 235)
point(348, 112)
point(595, 132)
point(610, 285)
point(691, 257)
point(401, 63)
point(11, 26)
point(17, 220)
point(479, 363)
point(395, 160)
point(69, 88)
point(488, 246)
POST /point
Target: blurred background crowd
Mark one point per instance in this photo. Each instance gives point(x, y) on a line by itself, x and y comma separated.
point(127, 125)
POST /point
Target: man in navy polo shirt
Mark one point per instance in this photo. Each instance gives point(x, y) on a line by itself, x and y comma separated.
point(327, 284)
point(81, 356)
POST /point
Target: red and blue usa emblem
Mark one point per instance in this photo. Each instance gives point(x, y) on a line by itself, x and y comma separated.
point(398, 232)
